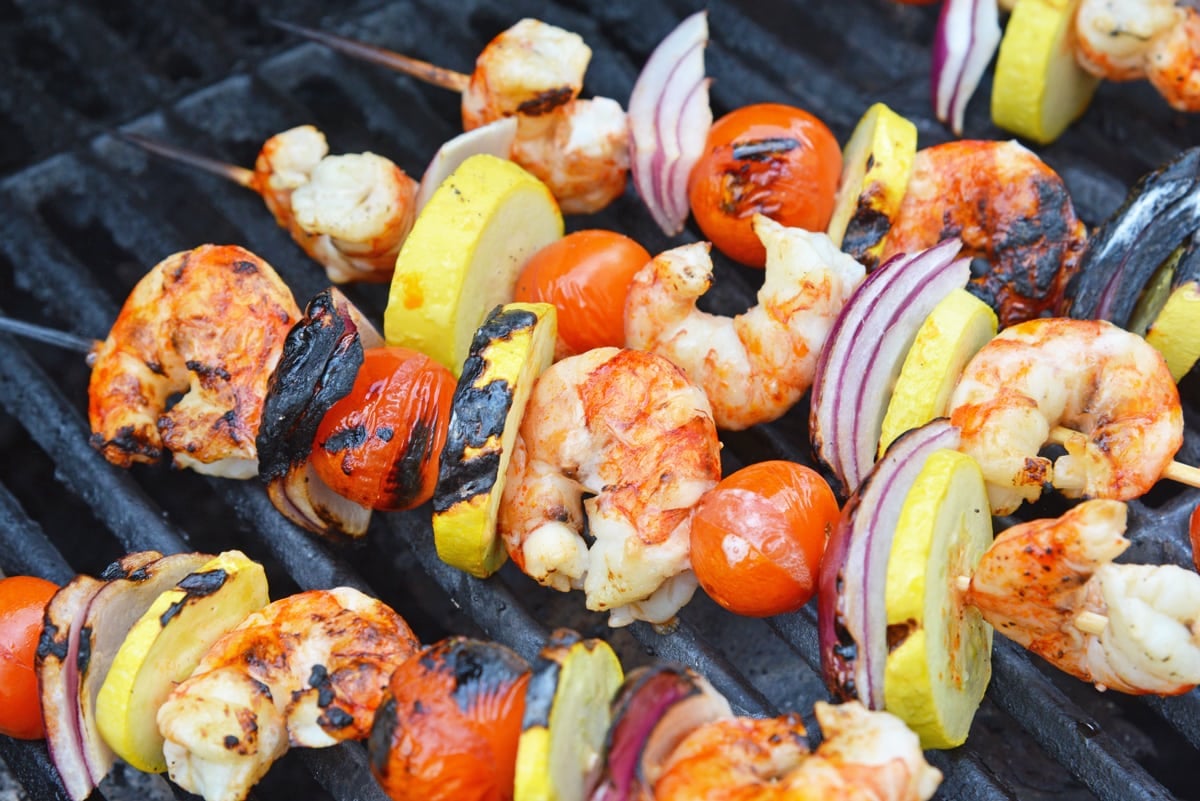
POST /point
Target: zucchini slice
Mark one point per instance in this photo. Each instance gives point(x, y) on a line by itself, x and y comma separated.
point(940, 662)
point(567, 712)
point(510, 350)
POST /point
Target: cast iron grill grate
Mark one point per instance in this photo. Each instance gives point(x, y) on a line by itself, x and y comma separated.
point(82, 216)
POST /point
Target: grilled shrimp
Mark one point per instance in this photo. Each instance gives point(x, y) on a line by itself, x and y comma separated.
point(628, 428)
point(1085, 374)
point(1173, 62)
point(1123, 40)
point(1113, 37)
point(1051, 585)
point(307, 670)
point(578, 148)
point(1013, 214)
point(755, 366)
point(350, 213)
point(865, 755)
point(209, 323)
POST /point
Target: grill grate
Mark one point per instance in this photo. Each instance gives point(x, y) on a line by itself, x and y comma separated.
point(82, 216)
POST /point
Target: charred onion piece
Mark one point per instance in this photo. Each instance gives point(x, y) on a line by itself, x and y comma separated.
point(321, 357)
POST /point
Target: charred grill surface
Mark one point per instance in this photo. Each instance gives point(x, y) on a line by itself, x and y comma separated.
point(83, 216)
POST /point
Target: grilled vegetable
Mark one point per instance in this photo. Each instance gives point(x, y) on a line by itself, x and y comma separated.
point(58, 671)
point(463, 255)
point(165, 645)
point(939, 658)
point(449, 723)
point(655, 708)
point(876, 163)
point(321, 358)
point(1168, 311)
point(1160, 213)
point(23, 601)
point(957, 327)
point(567, 712)
point(509, 351)
point(110, 614)
point(1039, 88)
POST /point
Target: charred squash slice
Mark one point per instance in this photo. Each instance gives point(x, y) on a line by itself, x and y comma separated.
point(510, 350)
point(567, 711)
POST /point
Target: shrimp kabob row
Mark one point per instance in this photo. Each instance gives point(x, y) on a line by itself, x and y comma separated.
point(182, 664)
point(525, 451)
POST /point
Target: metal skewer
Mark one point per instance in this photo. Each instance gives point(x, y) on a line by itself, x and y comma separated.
point(50, 336)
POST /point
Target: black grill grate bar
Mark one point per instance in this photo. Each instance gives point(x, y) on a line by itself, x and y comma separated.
point(1182, 712)
point(29, 396)
point(24, 547)
point(1065, 731)
point(30, 764)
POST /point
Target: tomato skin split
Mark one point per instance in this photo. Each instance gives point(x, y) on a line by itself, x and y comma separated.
point(770, 159)
point(758, 536)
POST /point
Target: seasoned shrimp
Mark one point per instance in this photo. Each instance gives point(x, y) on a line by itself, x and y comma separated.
point(307, 670)
point(1113, 37)
point(1051, 585)
point(1013, 214)
point(1173, 62)
point(579, 148)
point(209, 323)
point(754, 366)
point(1088, 375)
point(865, 755)
point(628, 428)
point(350, 213)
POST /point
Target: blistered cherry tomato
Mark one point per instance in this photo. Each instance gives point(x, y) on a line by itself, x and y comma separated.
point(758, 536)
point(23, 600)
point(768, 159)
point(1194, 531)
point(379, 445)
point(586, 276)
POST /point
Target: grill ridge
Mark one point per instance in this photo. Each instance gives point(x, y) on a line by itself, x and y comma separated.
point(66, 177)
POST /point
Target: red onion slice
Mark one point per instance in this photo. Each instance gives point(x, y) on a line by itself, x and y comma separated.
point(865, 350)
point(968, 34)
point(669, 117)
point(853, 576)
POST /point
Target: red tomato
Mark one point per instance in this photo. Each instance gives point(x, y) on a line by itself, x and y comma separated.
point(586, 276)
point(379, 446)
point(23, 600)
point(1194, 531)
point(768, 159)
point(758, 536)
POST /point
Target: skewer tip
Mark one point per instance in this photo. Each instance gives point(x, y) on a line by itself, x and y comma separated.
point(233, 172)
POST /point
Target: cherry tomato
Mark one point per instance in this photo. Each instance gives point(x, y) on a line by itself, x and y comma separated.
point(1194, 531)
point(586, 276)
point(23, 600)
point(758, 536)
point(768, 159)
point(379, 445)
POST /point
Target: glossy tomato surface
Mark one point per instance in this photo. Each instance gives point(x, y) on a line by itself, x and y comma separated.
point(449, 725)
point(758, 536)
point(771, 159)
point(1194, 531)
point(586, 276)
point(379, 445)
point(23, 600)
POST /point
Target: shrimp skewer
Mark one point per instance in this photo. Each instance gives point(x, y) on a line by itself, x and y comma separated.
point(864, 755)
point(1052, 586)
point(350, 213)
point(1159, 40)
point(1086, 374)
point(533, 71)
point(628, 428)
point(756, 366)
